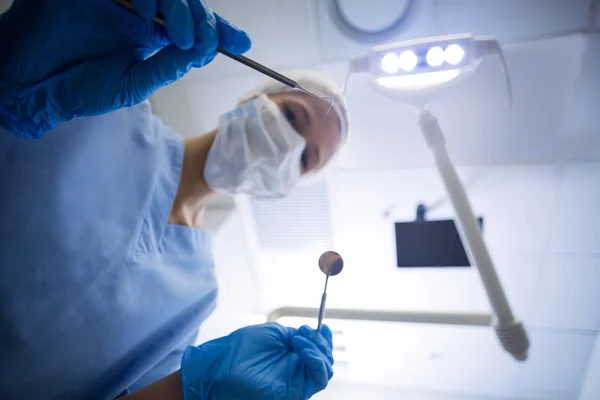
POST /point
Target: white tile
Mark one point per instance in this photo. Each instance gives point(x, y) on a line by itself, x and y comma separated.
point(476, 117)
point(556, 365)
point(575, 223)
point(584, 117)
point(569, 294)
point(510, 19)
point(519, 276)
point(516, 203)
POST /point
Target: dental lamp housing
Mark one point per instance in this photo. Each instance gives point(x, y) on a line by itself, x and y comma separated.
point(414, 72)
point(424, 82)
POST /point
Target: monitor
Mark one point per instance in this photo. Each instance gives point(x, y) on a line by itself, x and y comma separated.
point(430, 244)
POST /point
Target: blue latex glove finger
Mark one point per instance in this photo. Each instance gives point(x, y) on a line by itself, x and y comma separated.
point(319, 369)
point(232, 38)
point(270, 330)
point(165, 67)
point(300, 343)
point(327, 334)
point(255, 362)
point(205, 25)
point(323, 339)
point(315, 350)
point(97, 61)
point(147, 9)
point(178, 21)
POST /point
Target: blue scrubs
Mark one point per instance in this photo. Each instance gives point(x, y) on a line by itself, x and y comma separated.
point(98, 294)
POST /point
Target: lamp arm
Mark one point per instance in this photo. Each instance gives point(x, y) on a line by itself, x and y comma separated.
point(509, 329)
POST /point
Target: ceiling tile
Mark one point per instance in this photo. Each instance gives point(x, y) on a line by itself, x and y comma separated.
point(569, 294)
point(519, 276)
point(514, 224)
point(298, 222)
point(574, 229)
point(582, 125)
point(556, 365)
point(508, 20)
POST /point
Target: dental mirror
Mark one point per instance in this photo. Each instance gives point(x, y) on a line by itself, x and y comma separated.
point(331, 264)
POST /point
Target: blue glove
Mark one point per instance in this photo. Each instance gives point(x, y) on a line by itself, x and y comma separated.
point(265, 361)
point(67, 59)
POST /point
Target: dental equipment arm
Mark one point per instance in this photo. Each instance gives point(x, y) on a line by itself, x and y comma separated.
point(412, 317)
point(509, 329)
point(417, 85)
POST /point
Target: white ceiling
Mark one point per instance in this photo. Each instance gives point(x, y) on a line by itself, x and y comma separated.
point(555, 81)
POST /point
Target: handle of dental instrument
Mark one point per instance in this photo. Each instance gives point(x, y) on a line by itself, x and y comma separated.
point(241, 59)
point(261, 68)
point(321, 312)
point(322, 306)
point(509, 329)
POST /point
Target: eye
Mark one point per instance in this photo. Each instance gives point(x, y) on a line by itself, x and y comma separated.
point(290, 116)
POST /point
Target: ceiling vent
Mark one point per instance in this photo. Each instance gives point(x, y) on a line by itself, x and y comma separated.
point(299, 222)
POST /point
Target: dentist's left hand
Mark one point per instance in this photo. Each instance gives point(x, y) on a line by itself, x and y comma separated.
point(261, 362)
point(72, 58)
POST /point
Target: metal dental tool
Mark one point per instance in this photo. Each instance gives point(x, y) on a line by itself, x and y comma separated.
point(331, 264)
point(247, 62)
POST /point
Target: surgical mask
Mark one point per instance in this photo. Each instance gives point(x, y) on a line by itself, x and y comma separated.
point(256, 152)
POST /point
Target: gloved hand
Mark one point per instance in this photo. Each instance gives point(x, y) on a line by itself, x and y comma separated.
point(67, 59)
point(258, 362)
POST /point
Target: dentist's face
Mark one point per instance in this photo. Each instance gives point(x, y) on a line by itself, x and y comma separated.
point(310, 118)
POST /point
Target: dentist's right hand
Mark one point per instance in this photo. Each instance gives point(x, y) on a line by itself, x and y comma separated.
point(258, 362)
point(62, 59)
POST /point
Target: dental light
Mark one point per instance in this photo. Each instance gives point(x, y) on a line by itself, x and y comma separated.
point(435, 56)
point(419, 67)
point(415, 72)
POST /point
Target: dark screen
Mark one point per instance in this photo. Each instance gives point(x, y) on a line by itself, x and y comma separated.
point(430, 244)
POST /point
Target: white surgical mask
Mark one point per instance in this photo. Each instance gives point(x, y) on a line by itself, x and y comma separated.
point(256, 152)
